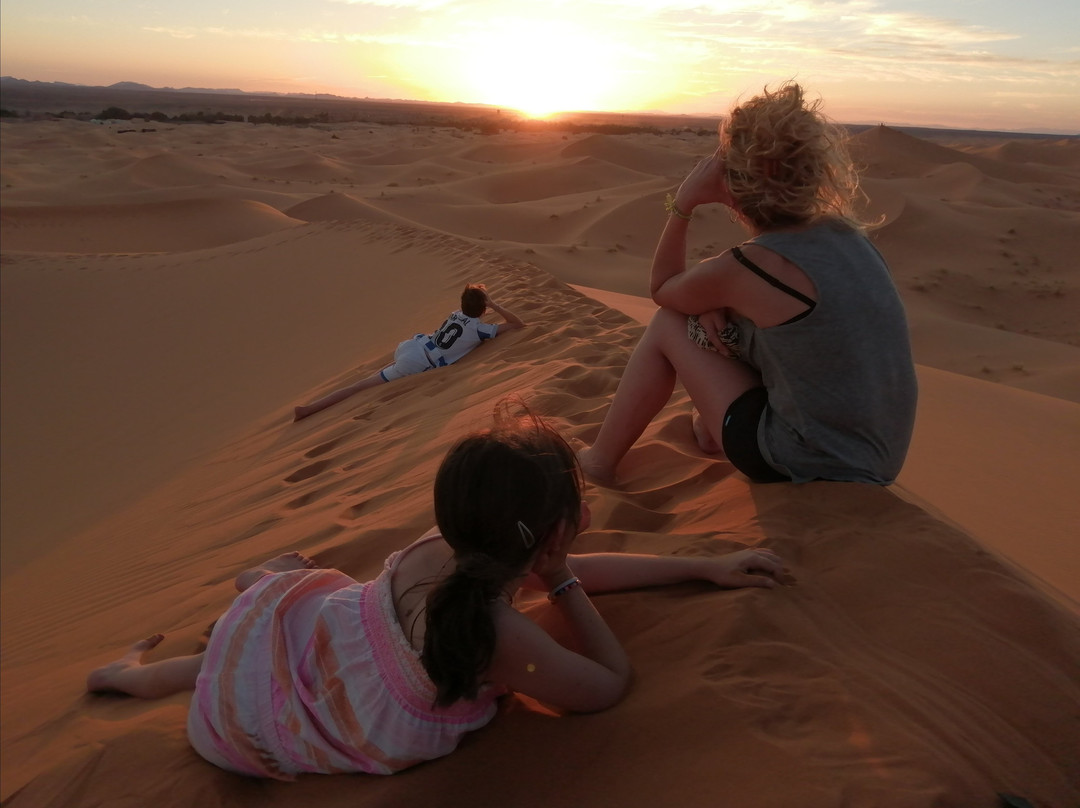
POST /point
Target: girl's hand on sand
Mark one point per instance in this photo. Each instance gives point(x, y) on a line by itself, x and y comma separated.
point(706, 184)
point(755, 567)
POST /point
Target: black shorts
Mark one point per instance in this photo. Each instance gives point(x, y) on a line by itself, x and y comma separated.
point(739, 437)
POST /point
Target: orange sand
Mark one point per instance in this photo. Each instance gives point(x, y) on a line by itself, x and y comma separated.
point(168, 297)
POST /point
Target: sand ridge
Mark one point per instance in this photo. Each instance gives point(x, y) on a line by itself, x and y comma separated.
point(976, 234)
point(149, 456)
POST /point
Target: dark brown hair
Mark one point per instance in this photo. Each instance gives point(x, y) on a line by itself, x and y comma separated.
point(473, 301)
point(499, 495)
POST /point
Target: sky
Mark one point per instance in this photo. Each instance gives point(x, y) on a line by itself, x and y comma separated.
point(973, 64)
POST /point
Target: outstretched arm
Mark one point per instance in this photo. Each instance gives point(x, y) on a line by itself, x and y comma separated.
point(512, 320)
point(527, 659)
point(614, 572)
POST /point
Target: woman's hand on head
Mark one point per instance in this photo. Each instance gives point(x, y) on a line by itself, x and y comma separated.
point(754, 567)
point(705, 184)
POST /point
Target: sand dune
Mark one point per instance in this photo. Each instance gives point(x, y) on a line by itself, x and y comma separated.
point(336, 207)
point(168, 171)
point(297, 164)
point(647, 153)
point(191, 224)
point(520, 150)
point(574, 176)
point(884, 151)
point(163, 311)
point(1064, 153)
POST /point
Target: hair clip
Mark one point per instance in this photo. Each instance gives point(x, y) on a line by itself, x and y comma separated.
point(527, 537)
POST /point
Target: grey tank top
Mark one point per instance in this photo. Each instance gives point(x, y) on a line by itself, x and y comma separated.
point(841, 380)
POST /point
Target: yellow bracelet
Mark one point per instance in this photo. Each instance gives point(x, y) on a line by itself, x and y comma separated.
point(672, 208)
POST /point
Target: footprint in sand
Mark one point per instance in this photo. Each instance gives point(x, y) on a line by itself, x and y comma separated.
point(353, 512)
point(322, 448)
point(302, 500)
point(307, 472)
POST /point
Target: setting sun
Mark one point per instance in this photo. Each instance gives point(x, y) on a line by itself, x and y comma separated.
point(540, 67)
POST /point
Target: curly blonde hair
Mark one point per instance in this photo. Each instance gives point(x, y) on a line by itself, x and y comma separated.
point(786, 162)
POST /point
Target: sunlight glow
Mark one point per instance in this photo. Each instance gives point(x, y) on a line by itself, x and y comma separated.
point(897, 61)
point(540, 67)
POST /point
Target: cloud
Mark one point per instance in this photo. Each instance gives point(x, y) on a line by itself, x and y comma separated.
point(309, 35)
point(175, 33)
point(718, 42)
point(836, 38)
point(418, 5)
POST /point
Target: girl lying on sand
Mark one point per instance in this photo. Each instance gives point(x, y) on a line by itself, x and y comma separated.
point(311, 671)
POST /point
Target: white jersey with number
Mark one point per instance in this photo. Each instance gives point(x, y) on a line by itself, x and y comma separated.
point(456, 337)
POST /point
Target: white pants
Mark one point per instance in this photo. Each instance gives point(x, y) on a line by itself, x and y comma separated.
point(409, 358)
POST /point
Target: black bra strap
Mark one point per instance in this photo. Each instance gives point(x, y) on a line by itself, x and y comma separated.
point(765, 276)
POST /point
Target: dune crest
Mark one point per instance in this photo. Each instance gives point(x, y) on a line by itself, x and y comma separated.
point(156, 335)
point(338, 207)
point(181, 225)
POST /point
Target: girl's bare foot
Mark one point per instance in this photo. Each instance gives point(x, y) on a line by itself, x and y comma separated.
point(594, 471)
point(105, 679)
point(283, 563)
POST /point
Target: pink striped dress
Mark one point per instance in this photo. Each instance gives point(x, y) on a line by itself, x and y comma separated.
point(310, 671)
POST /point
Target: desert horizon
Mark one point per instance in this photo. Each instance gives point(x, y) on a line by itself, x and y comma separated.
point(30, 98)
point(171, 291)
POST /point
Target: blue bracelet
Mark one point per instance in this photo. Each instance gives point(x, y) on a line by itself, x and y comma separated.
point(563, 588)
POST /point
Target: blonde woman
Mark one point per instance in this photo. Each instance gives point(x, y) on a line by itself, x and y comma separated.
point(794, 345)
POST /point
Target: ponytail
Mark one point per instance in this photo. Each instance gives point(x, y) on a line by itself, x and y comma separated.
point(498, 496)
point(460, 637)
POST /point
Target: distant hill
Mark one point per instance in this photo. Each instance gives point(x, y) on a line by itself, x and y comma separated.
point(26, 97)
point(121, 85)
point(6, 81)
point(40, 98)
